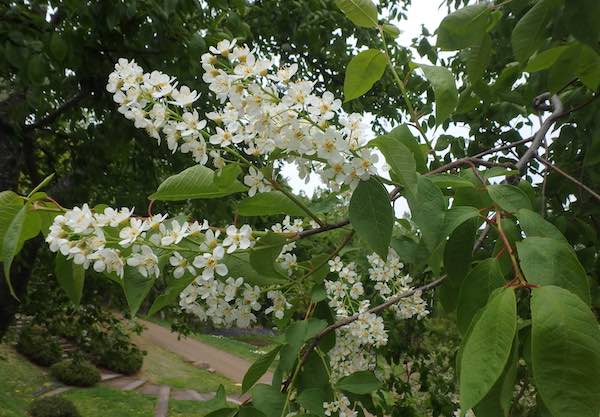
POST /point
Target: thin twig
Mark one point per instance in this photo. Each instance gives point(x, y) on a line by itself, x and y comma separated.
point(52, 116)
point(569, 177)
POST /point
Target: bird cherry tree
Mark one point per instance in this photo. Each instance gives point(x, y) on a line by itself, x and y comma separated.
point(481, 246)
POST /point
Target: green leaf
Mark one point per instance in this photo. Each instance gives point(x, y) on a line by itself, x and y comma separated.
point(497, 402)
point(267, 204)
point(36, 69)
point(372, 216)
point(534, 225)
point(362, 13)
point(509, 197)
point(488, 347)
point(70, 277)
point(171, 294)
point(246, 411)
point(268, 400)
point(450, 181)
point(457, 261)
point(239, 265)
point(265, 252)
point(364, 70)
point(403, 134)
point(581, 18)
point(478, 57)
point(391, 30)
point(10, 245)
point(428, 209)
point(136, 287)
point(361, 382)
point(545, 59)
point(10, 204)
point(565, 350)
point(547, 261)
point(312, 400)
point(295, 335)
point(58, 47)
point(400, 160)
point(444, 88)
point(258, 369)
point(475, 291)
point(223, 412)
point(463, 28)
point(195, 182)
point(530, 32)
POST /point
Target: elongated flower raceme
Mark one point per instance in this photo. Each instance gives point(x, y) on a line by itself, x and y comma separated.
point(264, 109)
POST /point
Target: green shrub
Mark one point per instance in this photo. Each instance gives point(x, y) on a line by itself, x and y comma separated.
point(53, 407)
point(40, 347)
point(77, 372)
point(125, 361)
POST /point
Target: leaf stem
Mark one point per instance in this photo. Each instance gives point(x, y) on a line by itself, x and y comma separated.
point(298, 202)
point(413, 114)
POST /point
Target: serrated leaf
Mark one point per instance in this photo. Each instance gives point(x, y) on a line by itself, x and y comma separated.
point(509, 197)
point(372, 216)
point(475, 291)
point(312, 400)
point(457, 262)
point(546, 261)
point(545, 59)
point(444, 89)
point(400, 160)
point(10, 244)
point(364, 70)
point(361, 382)
point(451, 181)
point(269, 203)
point(488, 347)
point(70, 277)
point(58, 47)
point(258, 369)
point(265, 252)
point(170, 294)
point(268, 400)
point(534, 225)
point(565, 352)
point(530, 31)
point(136, 288)
point(463, 28)
point(195, 182)
point(428, 209)
point(362, 13)
point(478, 57)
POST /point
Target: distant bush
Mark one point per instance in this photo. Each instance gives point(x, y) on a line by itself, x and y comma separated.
point(53, 407)
point(39, 346)
point(77, 372)
point(124, 360)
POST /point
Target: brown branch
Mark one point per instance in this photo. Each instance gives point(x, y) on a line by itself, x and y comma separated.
point(52, 116)
point(341, 323)
point(541, 134)
point(569, 177)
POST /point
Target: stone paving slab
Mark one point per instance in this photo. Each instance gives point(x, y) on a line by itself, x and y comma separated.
point(133, 385)
point(162, 405)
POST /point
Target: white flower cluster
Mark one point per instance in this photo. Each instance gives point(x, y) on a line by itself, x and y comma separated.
point(114, 238)
point(287, 260)
point(390, 280)
point(263, 110)
point(355, 342)
point(341, 405)
point(228, 303)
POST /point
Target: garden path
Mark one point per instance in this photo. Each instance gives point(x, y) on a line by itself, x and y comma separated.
point(224, 363)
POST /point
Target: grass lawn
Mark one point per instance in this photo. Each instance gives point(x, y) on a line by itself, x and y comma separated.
point(164, 367)
point(102, 401)
point(18, 380)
